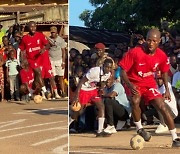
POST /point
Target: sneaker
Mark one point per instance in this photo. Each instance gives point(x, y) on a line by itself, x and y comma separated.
point(110, 129)
point(120, 125)
point(48, 95)
point(64, 95)
point(161, 129)
point(144, 134)
point(103, 134)
point(176, 142)
point(57, 96)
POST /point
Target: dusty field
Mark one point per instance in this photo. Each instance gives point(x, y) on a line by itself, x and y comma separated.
point(34, 128)
point(87, 143)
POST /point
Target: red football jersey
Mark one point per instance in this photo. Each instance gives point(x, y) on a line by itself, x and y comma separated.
point(140, 66)
point(32, 44)
point(27, 76)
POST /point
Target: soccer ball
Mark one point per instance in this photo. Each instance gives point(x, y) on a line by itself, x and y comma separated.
point(76, 106)
point(137, 142)
point(38, 99)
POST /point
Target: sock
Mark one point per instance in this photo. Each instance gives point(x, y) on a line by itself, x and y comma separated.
point(100, 124)
point(138, 125)
point(173, 133)
point(70, 120)
point(55, 91)
point(44, 89)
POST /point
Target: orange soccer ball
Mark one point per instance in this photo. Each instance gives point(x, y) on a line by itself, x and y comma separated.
point(76, 106)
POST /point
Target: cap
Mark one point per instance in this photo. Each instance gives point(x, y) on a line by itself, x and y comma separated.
point(53, 29)
point(99, 46)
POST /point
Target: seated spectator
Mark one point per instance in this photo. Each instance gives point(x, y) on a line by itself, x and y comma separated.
point(116, 104)
point(171, 105)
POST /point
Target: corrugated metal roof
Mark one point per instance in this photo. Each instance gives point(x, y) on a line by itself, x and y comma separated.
point(91, 36)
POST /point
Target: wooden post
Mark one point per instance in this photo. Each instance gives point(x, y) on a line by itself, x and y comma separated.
point(18, 17)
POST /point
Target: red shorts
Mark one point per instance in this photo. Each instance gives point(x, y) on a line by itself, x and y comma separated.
point(91, 96)
point(149, 93)
point(46, 72)
point(34, 63)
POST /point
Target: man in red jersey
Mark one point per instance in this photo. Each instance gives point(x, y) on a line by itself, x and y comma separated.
point(32, 46)
point(138, 67)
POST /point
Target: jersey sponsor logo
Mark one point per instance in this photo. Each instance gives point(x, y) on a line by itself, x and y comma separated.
point(141, 64)
point(141, 74)
point(36, 48)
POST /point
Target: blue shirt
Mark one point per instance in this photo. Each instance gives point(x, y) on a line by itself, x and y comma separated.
point(121, 95)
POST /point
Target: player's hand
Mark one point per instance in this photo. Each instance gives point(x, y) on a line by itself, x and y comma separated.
point(167, 95)
point(134, 89)
point(75, 100)
point(41, 51)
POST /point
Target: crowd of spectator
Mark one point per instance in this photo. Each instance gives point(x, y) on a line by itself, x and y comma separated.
point(118, 113)
point(19, 51)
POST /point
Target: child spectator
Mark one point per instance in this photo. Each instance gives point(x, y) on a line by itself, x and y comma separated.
point(27, 78)
point(12, 75)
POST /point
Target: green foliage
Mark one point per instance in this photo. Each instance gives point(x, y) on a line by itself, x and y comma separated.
point(131, 15)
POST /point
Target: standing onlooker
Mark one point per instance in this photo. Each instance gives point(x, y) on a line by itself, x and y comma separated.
point(57, 57)
point(2, 33)
point(13, 75)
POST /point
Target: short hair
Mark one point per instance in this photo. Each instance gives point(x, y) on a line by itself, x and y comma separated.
point(108, 61)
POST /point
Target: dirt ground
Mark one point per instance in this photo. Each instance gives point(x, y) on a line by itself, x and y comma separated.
point(87, 143)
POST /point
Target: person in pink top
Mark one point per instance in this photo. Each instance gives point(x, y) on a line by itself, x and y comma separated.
point(138, 68)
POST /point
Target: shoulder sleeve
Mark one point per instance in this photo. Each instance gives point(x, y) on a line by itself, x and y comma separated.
point(44, 39)
point(63, 43)
point(127, 61)
point(93, 74)
point(164, 65)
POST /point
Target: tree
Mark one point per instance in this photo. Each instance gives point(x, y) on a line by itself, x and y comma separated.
point(131, 15)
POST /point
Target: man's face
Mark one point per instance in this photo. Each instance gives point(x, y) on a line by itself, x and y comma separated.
point(100, 52)
point(159, 81)
point(109, 82)
point(107, 67)
point(53, 34)
point(32, 28)
point(152, 42)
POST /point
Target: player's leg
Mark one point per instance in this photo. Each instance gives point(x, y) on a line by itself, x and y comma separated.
point(101, 118)
point(54, 87)
point(159, 104)
point(39, 79)
point(136, 113)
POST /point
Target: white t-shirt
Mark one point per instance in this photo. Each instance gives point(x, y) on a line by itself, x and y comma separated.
point(93, 76)
point(176, 80)
point(172, 104)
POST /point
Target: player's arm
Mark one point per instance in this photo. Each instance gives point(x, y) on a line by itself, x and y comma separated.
point(165, 79)
point(63, 57)
point(81, 82)
point(131, 86)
